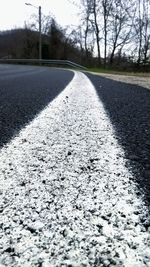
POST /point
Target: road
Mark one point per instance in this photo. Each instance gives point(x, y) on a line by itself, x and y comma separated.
point(25, 91)
point(74, 173)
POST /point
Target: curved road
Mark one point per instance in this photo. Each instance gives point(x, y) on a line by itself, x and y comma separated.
point(24, 92)
point(74, 170)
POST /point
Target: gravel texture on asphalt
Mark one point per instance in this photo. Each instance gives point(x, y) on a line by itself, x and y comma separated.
point(24, 92)
point(128, 107)
point(67, 198)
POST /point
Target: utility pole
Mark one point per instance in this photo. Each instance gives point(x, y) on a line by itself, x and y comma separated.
point(40, 35)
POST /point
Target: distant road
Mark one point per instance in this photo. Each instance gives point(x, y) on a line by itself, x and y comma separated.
point(24, 91)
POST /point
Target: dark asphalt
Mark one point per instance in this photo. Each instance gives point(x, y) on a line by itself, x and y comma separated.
point(24, 92)
point(128, 107)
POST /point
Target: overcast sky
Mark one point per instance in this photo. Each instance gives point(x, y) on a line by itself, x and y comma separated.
point(14, 13)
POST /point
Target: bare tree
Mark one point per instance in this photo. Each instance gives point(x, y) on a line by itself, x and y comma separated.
point(87, 28)
point(46, 22)
point(141, 24)
point(139, 28)
point(146, 30)
point(91, 16)
point(106, 7)
point(121, 27)
point(96, 27)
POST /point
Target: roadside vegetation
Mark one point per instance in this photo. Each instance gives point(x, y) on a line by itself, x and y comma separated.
point(113, 36)
point(113, 71)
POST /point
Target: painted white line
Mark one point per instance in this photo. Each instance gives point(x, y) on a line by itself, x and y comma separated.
point(68, 196)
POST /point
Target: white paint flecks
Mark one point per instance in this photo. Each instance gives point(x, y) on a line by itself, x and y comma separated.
point(68, 198)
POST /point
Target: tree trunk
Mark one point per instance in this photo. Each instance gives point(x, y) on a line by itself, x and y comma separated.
point(97, 33)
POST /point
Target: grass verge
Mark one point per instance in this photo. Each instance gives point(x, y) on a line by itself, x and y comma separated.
point(126, 73)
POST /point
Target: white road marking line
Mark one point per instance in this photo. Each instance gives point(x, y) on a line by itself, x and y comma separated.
point(64, 179)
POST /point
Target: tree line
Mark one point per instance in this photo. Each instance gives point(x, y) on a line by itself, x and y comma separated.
point(112, 33)
point(121, 30)
point(56, 43)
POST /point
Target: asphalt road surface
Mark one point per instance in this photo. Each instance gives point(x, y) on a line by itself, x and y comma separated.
point(74, 168)
point(25, 91)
